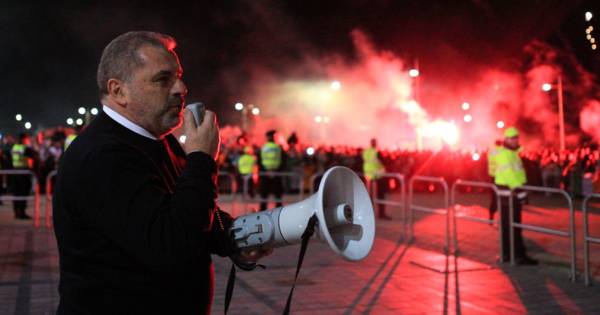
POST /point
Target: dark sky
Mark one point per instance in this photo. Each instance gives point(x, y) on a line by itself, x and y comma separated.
point(50, 52)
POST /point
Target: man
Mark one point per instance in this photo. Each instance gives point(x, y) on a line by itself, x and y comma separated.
point(22, 159)
point(134, 213)
point(271, 160)
point(509, 176)
point(246, 166)
point(373, 168)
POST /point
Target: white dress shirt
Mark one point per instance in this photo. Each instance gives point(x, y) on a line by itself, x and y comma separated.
point(127, 123)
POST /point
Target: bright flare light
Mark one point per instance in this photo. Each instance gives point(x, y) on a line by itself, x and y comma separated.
point(468, 118)
point(546, 87)
point(79, 121)
point(318, 119)
point(255, 111)
point(81, 110)
point(94, 111)
point(19, 117)
point(588, 16)
point(182, 138)
point(69, 121)
point(310, 151)
point(239, 106)
point(476, 156)
point(336, 85)
point(466, 106)
point(27, 125)
point(413, 73)
point(500, 124)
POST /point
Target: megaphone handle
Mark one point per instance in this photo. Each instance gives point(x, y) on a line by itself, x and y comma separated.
point(310, 230)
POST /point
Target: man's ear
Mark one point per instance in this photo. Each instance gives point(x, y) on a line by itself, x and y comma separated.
point(117, 91)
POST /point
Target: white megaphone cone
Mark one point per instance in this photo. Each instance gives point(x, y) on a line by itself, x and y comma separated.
point(343, 209)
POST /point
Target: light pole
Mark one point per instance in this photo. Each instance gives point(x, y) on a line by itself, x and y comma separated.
point(561, 113)
point(415, 74)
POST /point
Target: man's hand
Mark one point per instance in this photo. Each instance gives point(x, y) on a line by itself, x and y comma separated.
point(204, 138)
point(253, 255)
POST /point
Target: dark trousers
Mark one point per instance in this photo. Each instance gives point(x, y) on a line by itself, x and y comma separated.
point(250, 188)
point(378, 189)
point(270, 185)
point(493, 205)
point(20, 186)
point(520, 250)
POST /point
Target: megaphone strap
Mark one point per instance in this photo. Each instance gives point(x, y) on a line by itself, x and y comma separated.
point(310, 230)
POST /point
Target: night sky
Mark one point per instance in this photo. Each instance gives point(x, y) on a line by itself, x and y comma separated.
point(50, 52)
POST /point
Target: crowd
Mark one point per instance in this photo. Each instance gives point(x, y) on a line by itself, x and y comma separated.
point(576, 171)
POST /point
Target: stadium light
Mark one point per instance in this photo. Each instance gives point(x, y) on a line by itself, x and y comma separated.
point(310, 151)
point(255, 111)
point(336, 85)
point(27, 125)
point(81, 110)
point(546, 87)
point(239, 106)
point(19, 117)
point(79, 121)
point(500, 124)
point(588, 16)
point(466, 105)
point(69, 121)
point(94, 111)
point(413, 73)
point(318, 119)
point(468, 118)
point(476, 156)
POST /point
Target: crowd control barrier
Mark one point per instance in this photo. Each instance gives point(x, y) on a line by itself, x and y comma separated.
point(570, 233)
point(401, 204)
point(587, 239)
point(412, 207)
point(49, 196)
point(493, 188)
point(35, 198)
point(247, 178)
point(229, 178)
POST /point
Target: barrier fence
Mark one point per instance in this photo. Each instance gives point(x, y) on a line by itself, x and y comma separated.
point(232, 187)
point(282, 175)
point(412, 207)
point(494, 189)
point(36, 193)
point(570, 233)
point(49, 195)
point(587, 239)
point(401, 204)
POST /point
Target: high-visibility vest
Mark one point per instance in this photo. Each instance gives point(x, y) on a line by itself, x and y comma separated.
point(509, 169)
point(492, 160)
point(372, 167)
point(69, 140)
point(270, 156)
point(246, 163)
point(19, 160)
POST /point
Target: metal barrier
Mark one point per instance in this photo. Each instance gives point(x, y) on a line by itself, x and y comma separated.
point(587, 239)
point(493, 187)
point(49, 197)
point(245, 198)
point(412, 207)
point(401, 203)
point(539, 229)
point(233, 187)
point(35, 198)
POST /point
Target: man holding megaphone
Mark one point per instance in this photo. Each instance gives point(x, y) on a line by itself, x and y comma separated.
point(134, 213)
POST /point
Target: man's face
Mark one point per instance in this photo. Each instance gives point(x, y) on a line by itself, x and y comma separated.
point(155, 91)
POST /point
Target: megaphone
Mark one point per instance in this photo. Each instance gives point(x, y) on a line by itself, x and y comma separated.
point(343, 209)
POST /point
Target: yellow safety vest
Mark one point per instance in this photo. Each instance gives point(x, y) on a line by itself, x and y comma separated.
point(69, 140)
point(19, 160)
point(246, 163)
point(372, 167)
point(492, 160)
point(270, 156)
point(509, 169)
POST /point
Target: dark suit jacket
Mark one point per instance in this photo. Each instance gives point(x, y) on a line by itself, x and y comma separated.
point(132, 217)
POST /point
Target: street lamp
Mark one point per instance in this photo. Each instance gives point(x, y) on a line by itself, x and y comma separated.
point(81, 110)
point(69, 121)
point(94, 111)
point(239, 106)
point(28, 125)
point(19, 117)
point(546, 87)
point(79, 121)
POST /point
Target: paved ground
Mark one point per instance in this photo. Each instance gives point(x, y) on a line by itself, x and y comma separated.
point(398, 277)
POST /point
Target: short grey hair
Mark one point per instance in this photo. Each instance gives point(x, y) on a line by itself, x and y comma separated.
point(120, 57)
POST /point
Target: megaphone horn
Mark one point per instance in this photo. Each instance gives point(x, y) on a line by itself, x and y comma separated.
point(343, 209)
